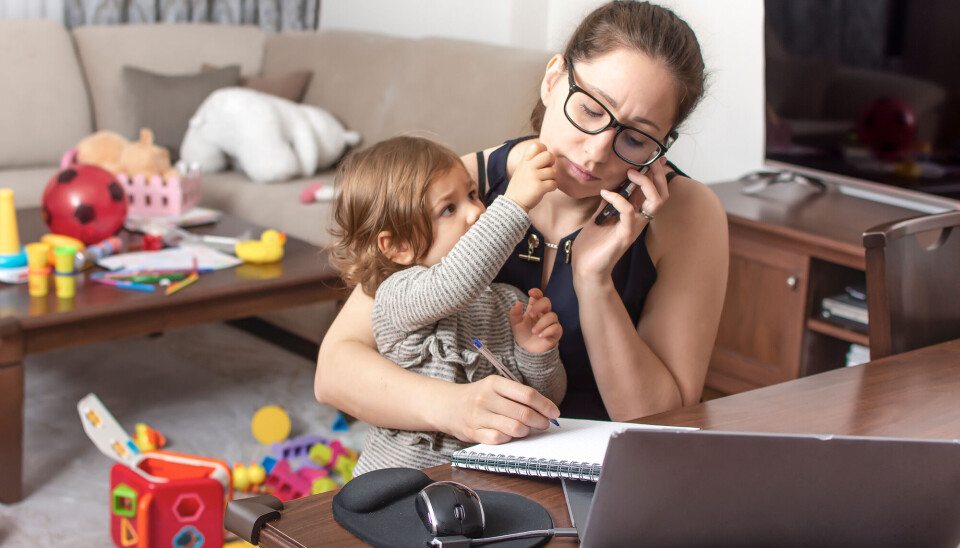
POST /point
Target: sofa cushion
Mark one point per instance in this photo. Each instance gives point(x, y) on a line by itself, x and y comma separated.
point(467, 95)
point(165, 103)
point(44, 108)
point(271, 206)
point(353, 73)
point(165, 49)
point(290, 86)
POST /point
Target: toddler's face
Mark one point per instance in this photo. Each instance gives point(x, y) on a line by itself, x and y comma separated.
point(454, 204)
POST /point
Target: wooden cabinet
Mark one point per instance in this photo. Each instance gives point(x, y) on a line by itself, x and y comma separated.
point(759, 339)
point(789, 248)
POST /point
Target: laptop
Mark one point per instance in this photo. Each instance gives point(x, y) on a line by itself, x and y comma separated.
point(712, 488)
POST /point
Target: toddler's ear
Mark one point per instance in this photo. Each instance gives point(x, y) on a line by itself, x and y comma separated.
point(392, 248)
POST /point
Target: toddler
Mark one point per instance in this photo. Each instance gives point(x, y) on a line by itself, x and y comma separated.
point(413, 232)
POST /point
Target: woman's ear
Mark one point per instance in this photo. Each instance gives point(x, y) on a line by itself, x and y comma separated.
point(555, 69)
point(392, 248)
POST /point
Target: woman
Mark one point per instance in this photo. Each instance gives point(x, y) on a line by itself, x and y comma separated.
point(639, 297)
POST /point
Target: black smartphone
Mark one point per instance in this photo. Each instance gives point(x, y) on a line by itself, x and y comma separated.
point(626, 187)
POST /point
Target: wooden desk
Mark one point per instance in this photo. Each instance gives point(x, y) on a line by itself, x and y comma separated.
point(911, 395)
point(102, 313)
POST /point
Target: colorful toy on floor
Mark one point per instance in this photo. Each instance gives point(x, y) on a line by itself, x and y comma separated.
point(250, 478)
point(241, 480)
point(256, 473)
point(268, 249)
point(85, 202)
point(286, 484)
point(146, 438)
point(11, 254)
point(157, 498)
point(322, 485)
point(340, 423)
point(296, 448)
point(270, 424)
point(336, 458)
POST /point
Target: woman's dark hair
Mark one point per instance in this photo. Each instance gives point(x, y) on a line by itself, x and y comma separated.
point(653, 30)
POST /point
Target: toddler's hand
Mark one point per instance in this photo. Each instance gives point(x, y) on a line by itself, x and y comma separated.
point(534, 177)
point(537, 329)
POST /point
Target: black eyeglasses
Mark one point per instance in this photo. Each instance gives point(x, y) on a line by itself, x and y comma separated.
point(587, 114)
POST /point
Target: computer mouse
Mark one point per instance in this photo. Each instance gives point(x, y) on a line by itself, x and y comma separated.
point(449, 508)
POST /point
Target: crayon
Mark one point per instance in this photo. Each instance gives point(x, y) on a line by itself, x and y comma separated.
point(123, 284)
point(182, 283)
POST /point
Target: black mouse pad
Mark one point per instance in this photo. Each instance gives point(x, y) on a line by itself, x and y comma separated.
point(378, 507)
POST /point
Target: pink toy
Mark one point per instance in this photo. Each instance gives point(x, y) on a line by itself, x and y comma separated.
point(327, 455)
point(318, 192)
point(154, 196)
point(84, 202)
point(286, 484)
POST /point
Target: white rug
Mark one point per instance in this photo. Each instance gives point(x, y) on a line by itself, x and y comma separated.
point(199, 387)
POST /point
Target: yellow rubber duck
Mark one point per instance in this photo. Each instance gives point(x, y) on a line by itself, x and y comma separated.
point(268, 249)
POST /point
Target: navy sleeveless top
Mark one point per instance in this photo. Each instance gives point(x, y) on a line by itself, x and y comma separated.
point(633, 276)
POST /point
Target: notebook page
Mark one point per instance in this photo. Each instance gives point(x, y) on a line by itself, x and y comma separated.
point(576, 440)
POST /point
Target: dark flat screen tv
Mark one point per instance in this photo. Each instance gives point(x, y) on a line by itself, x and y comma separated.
point(865, 91)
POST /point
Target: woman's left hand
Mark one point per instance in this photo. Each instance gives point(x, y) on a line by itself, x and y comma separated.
point(598, 247)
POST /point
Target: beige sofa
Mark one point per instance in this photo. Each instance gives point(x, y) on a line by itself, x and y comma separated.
point(61, 85)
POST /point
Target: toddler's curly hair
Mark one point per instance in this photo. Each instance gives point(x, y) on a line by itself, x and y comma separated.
point(384, 188)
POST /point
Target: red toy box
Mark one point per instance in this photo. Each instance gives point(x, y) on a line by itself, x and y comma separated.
point(182, 506)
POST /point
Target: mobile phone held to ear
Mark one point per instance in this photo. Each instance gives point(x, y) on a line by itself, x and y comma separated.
point(626, 187)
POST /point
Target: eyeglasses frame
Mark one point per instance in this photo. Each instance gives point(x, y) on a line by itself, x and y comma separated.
point(614, 123)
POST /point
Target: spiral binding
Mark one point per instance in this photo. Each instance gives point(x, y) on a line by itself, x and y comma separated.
point(510, 464)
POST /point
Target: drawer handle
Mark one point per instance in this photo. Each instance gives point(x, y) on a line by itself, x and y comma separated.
point(792, 282)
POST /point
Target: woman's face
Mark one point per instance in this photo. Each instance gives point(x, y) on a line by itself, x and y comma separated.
point(638, 92)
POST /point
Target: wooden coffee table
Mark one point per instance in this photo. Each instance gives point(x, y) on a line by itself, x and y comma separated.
point(101, 313)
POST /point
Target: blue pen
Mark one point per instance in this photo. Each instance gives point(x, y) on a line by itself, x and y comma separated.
point(124, 284)
point(502, 369)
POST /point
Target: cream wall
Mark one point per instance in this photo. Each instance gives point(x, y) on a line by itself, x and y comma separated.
point(723, 139)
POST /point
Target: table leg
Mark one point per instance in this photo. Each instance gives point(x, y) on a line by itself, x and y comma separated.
point(11, 433)
point(11, 416)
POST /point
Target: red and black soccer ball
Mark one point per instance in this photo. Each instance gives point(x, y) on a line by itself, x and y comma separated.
point(85, 202)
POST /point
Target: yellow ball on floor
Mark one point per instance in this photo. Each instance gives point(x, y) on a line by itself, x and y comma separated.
point(270, 424)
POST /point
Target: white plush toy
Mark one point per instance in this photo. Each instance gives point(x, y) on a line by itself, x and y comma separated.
point(269, 138)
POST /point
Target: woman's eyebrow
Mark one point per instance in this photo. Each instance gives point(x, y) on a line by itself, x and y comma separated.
point(613, 104)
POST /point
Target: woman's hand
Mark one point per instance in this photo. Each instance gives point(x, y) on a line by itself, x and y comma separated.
point(598, 247)
point(538, 328)
point(495, 410)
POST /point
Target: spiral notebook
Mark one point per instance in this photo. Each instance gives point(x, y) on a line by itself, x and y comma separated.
point(574, 450)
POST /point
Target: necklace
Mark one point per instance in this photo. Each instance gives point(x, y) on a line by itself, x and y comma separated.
point(533, 241)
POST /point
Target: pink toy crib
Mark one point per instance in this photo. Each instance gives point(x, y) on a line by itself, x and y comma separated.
point(154, 196)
